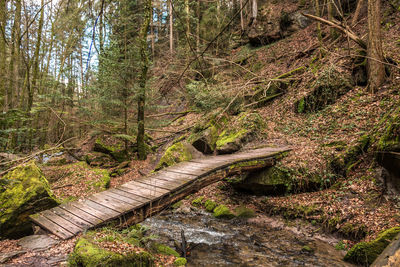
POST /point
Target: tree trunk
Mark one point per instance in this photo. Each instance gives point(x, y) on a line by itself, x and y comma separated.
point(241, 15)
point(3, 56)
point(142, 153)
point(376, 69)
point(198, 10)
point(171, 29)
point(254, 10)
point(360, 5)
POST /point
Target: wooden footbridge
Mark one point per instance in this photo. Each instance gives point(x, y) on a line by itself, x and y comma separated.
point(134, 201)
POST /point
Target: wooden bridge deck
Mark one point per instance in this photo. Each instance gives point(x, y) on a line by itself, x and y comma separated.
point(143, 197)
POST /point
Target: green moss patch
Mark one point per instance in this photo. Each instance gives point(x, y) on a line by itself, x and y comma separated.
point(87, 253)
point(176, 153)
point(366, 252)
point(197, 202)
point(23, 192)
point(180, 262)
point(210, 205)
point(223, 212)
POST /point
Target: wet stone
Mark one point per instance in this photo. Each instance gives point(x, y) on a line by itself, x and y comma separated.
point(37, 242)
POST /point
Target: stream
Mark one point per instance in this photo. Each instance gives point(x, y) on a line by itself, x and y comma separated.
point(260, 241)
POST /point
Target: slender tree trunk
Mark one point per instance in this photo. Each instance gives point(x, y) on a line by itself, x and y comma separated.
point(187, 11)
point(318, 14)
point(36, 60)
point(332, 31)
point(360, 5)
point(142, 153)
point(152, 32)
point(241, 15)
point(3, 56)
point(376, 69)
point(171, 29)
point(254, 10)
point(198, 10)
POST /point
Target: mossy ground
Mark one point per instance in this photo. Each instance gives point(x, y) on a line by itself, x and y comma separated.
point(129, 247)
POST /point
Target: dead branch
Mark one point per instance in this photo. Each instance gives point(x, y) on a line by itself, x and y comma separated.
point(341, 28)
point(169, 113)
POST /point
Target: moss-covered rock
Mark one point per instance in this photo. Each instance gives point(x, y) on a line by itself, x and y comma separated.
point(272, 181)
point(244, 212)
point(180, 262)
point(390, 140)
point(204, 139)
point(87, 254)
point(114, 147)
point(164, 249)
point(197, 202)
point(210, 205)
point(366, 252)
point(23, 192)
point(99, 159)
point(223, 212)
point(327, 88)
point(345, 161)
point(178, 152)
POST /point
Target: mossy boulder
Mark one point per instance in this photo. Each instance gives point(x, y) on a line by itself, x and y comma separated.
point(366, 252)
point(244, 212)
point(204, 139)
point(23, 192)
point(241, 129)
point(390, 140)
point(164, 249)
point(343, 162)
point(112, 146)
point(178, 152)
point(88, 254)
point(210, 205)
point(99, 159)
point(271, 181)
point(180, 262)
point(197, 202)
point(223, 212)
point(327, 88)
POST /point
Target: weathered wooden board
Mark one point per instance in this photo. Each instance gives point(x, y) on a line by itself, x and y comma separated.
point(146, 196)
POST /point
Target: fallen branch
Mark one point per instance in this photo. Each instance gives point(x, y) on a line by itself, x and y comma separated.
point(30, 157)
point(62, 186)
point(341, 28)
point(169, 113)
point(167, 131)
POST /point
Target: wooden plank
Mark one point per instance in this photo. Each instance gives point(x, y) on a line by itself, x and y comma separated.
point(141, 196)
point(186, 171)
point(110, 203)
point(149, 187)
point(51, 226)
point(107, 212)
point(72, 218)
point(150, 194)
point(125, 199)
point(70, 227)
point(170, 185)
point(81, 214)
point(174, 176)
point(153, 183)
point(84, 206)
point(138, 199)
point(163, 178)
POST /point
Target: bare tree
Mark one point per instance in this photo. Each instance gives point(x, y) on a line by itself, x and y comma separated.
point(376, 68)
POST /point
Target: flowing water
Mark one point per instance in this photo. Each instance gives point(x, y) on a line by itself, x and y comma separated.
point(261, 241)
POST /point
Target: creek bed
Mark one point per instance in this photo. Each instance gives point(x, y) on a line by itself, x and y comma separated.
point(260, 241)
